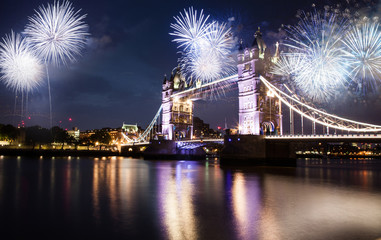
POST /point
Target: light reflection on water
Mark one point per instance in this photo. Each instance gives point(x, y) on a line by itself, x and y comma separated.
point(176, 203)
point(130, 198)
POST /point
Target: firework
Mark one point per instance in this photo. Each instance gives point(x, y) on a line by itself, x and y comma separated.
point(219, 39)
point(57, 32)
point(363, 52)
point(202, 65)
point(289, 65)
point(21, 70)
point(212, 59)
point(315, 50)
point(206, 47)
point(190, 29)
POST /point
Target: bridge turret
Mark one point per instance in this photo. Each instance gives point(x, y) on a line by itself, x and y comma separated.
point(167, 126)
point(257, 110)
point(259, 44)
point(177, 115)
point(275, 58)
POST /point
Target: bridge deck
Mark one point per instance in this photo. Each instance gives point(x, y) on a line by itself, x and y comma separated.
point(369, 138)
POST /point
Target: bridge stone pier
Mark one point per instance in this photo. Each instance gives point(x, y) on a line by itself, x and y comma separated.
point(256, 150)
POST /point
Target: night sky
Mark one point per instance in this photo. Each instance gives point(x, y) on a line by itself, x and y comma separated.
point(118, 78)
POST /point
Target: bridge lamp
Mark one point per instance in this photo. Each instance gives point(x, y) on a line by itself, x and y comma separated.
point(176, 99)
point(270, 93)
point(189, 101)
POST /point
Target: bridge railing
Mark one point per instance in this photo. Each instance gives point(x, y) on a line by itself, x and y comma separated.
point(325, 136)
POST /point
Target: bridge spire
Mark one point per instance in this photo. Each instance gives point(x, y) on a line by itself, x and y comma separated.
point(240, 48)
point(259, 43)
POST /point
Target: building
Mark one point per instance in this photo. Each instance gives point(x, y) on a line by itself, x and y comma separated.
point(177, 116)
point(259, 112)
point(201, 129)
point(75, 133)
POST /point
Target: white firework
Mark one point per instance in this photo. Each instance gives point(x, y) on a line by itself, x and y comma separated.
point(190, 28)
point(314, 59)
point(363, 52)
point(20, 70)
point(219, 39)
point(57, 32)
point(288, 65)
point(206, 46)
point(212, 59)
point(204, 65)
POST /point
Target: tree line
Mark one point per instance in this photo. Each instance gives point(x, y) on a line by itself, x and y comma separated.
point(35, 135)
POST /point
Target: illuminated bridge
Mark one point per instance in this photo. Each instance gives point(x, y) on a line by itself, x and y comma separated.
point(262, 102)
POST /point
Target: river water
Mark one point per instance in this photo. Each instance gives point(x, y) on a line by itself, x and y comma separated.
point(125, 198)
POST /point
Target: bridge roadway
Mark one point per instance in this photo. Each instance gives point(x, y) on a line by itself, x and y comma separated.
point(183, 142)
point(361, 138)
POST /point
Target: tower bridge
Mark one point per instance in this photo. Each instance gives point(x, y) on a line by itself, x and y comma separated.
point(259, 112)
point(260, 101)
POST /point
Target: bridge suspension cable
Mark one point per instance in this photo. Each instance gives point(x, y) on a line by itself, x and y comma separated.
point(144, 135)
point(127, 138)
point(319, 116)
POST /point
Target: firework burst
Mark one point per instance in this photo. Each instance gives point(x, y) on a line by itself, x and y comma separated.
point(206, 47)
point(212, 59)
point(315, 50)
point(21, 70)
point(363, 52)
point(57, 32)
point(190, 29)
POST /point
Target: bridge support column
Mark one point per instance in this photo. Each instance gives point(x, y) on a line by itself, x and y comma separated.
point(256, 150)
point(291, 122)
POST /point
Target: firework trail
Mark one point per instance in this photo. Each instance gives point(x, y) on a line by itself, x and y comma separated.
point(21, 70)
point(314, 60)
point(57, 34)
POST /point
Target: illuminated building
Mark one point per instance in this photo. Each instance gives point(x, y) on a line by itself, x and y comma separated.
point(75, 133)
point(259, 112)
point(130, 129)
point(177, 116)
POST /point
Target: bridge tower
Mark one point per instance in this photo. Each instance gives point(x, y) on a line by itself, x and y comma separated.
point(177, 115)
point(259, 112)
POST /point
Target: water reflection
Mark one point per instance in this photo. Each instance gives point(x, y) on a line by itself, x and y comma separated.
point(246, 204)
point(135, 199)
point(302, 210)
point(176, 191)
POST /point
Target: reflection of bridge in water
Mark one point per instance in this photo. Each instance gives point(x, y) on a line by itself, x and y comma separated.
point(262, 101)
